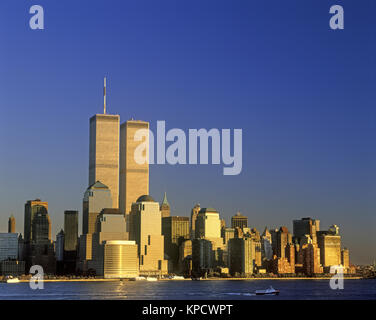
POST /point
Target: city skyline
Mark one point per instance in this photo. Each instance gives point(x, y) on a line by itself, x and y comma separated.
point(308, 132)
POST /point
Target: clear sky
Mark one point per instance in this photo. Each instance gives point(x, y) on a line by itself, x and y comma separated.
point(303, 94)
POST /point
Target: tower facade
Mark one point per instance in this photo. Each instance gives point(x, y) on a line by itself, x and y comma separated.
point(96, 198)
point(104, 153)
point(306, 226)
point(208, 224)
point(165, 207)
point(32, 207)
point(70, 230)
point(175, 231)
point(194, 212)
point(134, 177)
point(239, 221)
point(241, 256)
point(146, 230)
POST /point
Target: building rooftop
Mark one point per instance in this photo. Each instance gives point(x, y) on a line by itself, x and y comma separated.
point(98, 185)
point(165, 202)
point(208, 210)
point(145, 198)
point(239, 215)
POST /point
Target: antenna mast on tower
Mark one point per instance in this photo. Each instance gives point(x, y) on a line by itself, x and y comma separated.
point(104, 96)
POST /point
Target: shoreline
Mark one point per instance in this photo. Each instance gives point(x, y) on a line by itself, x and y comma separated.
point(209, 279)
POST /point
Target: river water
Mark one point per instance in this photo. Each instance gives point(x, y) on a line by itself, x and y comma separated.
point(190, 290)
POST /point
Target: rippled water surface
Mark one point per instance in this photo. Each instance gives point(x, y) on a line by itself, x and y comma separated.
point(185, 290)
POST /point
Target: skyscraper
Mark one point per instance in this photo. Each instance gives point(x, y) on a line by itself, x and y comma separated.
point(145, 229)
point(266, 245)
point(104, 153)
point(241, 256)
point(38, 247)
point(113, 255)
point(134, 177)
point(8, 246)
point(306, 226)
point(120, 259)
point(59, 252)
point(202, 257)
point(32, 207)
point(41, 228)
point(165, 207)
point(284, 238)
point(208, 227)
point(96, 198)
point(208, 224)
point(239, 221)
point(70, 241)
point(194, 212)
point(329, 243)
point(175, 231)
point(11, 224)
point(70, 230)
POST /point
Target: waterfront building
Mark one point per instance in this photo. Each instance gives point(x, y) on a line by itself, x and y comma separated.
point(10, 264)
point(280, 266)
point(110, 226)
point(32, 207)
point(202, 257)
point(70, 241)
point(85, 252)
point(12, 268)
point(241, 256)
point(165, 207)
point(239, 221)
point(329, 243)
point(175, 231)
point(120, 259)
point(38, 246)
point(104, 153)
point(145, 229)
point(134, 177)
point(96, 198)
point(41, 226)
point(12, 224)
point(8, 246)
point(185, 257)
point(70, 230)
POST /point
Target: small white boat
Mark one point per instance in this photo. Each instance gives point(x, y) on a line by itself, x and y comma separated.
point(10, 279)
point(177, 278)
point(151, 279)
point(270, 291)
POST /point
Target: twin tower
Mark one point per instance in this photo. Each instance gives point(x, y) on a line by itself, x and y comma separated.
point(111, 159)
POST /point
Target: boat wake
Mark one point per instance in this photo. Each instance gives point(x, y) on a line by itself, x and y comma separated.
point(240, 294)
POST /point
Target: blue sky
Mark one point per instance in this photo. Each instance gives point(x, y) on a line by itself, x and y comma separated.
point(302, 93)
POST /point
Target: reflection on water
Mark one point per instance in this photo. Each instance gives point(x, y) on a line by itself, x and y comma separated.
point(196, 290)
